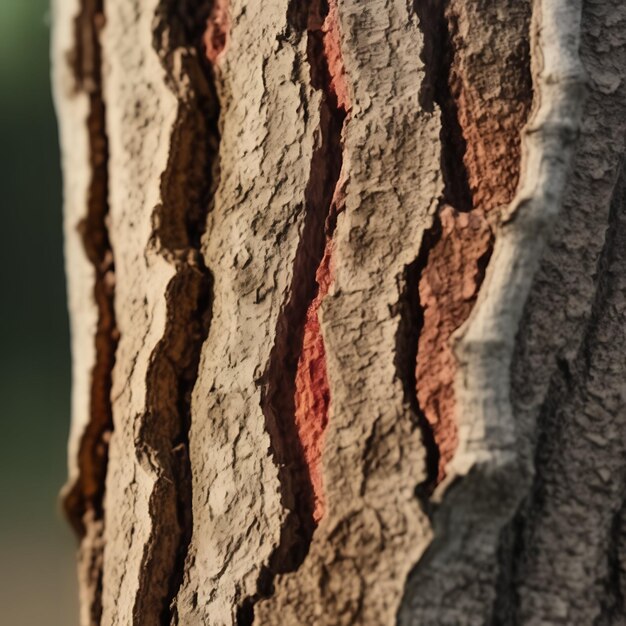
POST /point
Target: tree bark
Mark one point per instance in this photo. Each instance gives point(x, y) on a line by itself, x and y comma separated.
point(347, 285)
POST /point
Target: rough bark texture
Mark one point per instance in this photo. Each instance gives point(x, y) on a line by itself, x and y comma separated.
point(347, 289)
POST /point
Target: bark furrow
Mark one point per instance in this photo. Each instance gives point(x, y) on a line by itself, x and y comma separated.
point(406, 351)
point(180, 220)
point(312, 390)
point(83, 500)
point(297, 396)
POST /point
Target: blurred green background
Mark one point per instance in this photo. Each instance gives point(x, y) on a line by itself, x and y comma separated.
point(37, 585)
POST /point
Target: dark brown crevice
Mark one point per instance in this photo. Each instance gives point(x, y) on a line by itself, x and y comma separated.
point(83, 503)
point(437, 88)
point(279, 381)
point(407, 340)
point(187, 188)
point(615, 604)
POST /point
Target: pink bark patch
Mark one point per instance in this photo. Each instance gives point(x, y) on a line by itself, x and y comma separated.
point(448, 288)
point(217, 31)
point(334, 58)
point(312, 391)
point(312, 394)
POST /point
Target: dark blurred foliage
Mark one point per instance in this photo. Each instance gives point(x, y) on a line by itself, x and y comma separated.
point(36, 568)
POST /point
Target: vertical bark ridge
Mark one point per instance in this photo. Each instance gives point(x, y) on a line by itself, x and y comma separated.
point(187, 185)
point(84, 498)
point(484, 478)
point(268, 125)
point(552, 129)
point(484, 103)
point(297, 396)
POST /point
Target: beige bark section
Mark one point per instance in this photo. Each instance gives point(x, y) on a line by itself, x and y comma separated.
point(141, 114)
point(72, 106)
point(269, 129)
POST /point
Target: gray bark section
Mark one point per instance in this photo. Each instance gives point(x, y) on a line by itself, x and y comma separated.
point(559, 557)
point(568, 375)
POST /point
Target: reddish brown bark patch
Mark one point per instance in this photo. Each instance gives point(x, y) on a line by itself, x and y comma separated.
point(478, 72)
point(312, 397)
point(447, 288)
point(334, 59)
point(491, 86)
point(217, 31)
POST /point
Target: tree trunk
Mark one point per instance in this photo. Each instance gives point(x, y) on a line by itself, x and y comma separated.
point(347, 283)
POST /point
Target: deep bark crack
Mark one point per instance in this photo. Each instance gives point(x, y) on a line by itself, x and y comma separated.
point(437, 56)
point(436, 89)
point(615, 584)
point(407, 339)
point(83, 502)
point(295, 455)
point(187, 188)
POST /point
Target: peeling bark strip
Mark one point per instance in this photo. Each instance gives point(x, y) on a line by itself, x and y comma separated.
point(84, 497)
point(484, 100)
point(87, 494)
